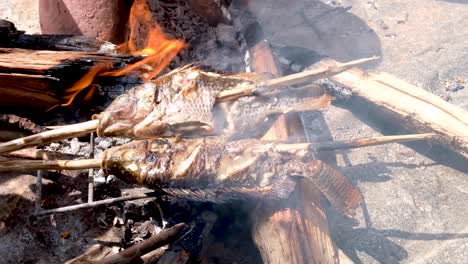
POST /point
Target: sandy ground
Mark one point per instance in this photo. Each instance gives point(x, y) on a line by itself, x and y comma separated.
point(416, 195)
point(415, 208)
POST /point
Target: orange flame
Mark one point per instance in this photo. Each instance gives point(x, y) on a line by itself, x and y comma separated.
point(159, 51)
point(81, 84)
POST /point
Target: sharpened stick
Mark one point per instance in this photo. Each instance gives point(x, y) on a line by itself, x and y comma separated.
point(301, 77)
point(28, 165)
point(344, 144)
point(367, 142)
point(46, 137)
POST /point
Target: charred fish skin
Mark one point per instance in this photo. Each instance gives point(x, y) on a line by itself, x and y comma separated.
point(183, 103)
point(197, 163)
point(179, 102)
point(226, 170)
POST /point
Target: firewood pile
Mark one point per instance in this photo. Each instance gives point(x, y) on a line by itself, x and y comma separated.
point(184, 152)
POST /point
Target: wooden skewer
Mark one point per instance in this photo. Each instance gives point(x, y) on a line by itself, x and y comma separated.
point(297, 78)
point(26, 165)
point(75, 130)
point(84, 128)
point(352, 143)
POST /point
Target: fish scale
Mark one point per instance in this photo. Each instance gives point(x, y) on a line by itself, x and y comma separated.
point(222, 170)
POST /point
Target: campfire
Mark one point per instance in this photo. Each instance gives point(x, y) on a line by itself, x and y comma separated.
point(188, 147)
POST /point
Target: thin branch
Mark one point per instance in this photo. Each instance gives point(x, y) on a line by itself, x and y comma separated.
point(96, 203)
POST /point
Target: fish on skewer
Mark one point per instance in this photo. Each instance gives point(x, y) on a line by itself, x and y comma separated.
point(183, 103)
point(211, 169)
point(228, 169)
point(193, 103)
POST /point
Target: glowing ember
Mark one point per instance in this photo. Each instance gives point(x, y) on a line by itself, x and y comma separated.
point(158, 49)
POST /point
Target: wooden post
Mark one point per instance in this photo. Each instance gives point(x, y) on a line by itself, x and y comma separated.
point(296, 230)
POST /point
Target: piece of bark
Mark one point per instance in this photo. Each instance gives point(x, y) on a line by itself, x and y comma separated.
point(132, 253)
point(296, 230)
point(416, 108)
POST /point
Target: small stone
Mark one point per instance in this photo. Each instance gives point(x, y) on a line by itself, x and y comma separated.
point(455, 88)
point(75, 145)
point(104, 144)
point(296, 67)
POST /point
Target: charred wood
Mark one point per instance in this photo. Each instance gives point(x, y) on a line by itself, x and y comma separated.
point(39, 79)
point(13, 126)
point(132, 253)
point(191, 246)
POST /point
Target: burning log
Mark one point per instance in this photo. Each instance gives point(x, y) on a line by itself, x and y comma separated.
point(190, 102)
point(36, 79)
point(134, 252)
point(418, 109)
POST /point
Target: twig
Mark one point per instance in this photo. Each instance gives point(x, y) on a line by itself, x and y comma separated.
point(96, 203)
point(42, 138)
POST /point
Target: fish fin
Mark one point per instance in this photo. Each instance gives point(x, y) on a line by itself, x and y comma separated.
point(281, 189)
point(336, 187)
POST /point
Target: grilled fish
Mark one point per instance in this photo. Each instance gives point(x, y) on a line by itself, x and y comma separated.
point(183, 102)
point(225, 170)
